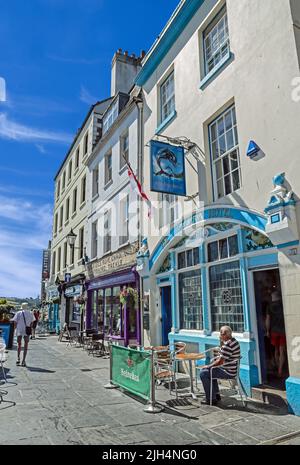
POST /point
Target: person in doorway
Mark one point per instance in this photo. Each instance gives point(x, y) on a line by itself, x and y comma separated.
point(22, 319)
point(224, 367)
point(36, 314)
point(276, 330)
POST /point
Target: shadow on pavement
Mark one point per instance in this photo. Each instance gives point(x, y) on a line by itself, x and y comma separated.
point(39, 370)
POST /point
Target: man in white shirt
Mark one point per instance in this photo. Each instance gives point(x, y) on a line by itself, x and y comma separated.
point(22, 319)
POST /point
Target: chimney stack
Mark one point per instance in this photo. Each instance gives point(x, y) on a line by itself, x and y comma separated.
point(125, 68)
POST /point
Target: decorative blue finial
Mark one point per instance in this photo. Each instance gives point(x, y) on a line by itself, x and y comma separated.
point(253, 149)
point(279, 179)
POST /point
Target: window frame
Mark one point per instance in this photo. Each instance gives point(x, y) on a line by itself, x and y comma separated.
point(81, 244)
point(214, 146)
point(65, 257)
point(124, 136)
point(218, 241)
point(58, 190)
point(124, 220)
point(168, 209)
point(56, 223)
point(77, 158)
point(95, 182)
point(83, 190)
point(61, 218)
point(67, 212)
point(219, 264)
point(108, 175)
point(111, 116)
point(58, 260)
point(94, 242)
point(53, 263)
point(64, 180)
point(208, 31)
point(163, 115)
point(107, 236)
point(74, 206)
point(70, 170)
point(86, 144)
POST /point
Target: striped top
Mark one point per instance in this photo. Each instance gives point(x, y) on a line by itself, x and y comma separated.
point(230, 352)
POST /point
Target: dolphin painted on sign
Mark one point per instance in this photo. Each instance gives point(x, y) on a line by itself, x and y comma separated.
point(168, 164)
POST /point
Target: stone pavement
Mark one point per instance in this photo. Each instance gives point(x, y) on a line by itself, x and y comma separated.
point(60, 399)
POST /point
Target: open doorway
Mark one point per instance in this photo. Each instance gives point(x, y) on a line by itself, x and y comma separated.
point(271, 328)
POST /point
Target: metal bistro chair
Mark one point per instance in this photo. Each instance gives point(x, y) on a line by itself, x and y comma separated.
point(3, 359)
point(72, 336)
point(235, 382)
point(97, 345)
point(166, 366)
point(88, 337)
point(212, 350)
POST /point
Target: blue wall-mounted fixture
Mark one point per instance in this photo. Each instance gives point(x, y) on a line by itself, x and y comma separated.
point(253, 149)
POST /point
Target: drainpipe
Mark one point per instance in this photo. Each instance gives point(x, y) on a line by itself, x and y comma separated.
point(140, 174)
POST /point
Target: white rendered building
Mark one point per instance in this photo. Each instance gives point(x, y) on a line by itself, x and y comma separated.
point(225, 75)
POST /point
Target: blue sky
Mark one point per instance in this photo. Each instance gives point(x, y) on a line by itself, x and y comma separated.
point(55, 58)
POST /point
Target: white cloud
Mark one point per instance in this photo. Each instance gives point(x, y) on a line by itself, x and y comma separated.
point(75, 61)
point(2, 90)
point(23, 191)
point(23, 211)
point(41, 148)
point(23, 240)
point(19, 132)
point(86, 97)
point(20, 276)
point(25, 232)
point(37, 106)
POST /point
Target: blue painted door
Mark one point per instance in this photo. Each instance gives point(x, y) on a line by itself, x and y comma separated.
point(166, 306)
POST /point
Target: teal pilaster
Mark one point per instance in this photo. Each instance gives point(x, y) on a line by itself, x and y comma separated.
point(244, 282)
point(175, 316)
point(205, 293)
point(173, 260)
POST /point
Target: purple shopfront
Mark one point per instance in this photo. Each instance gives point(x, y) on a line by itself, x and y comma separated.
point(112, 314)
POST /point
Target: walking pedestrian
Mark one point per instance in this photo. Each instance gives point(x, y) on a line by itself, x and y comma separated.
point(276, 331)
point(23, 323)
point(36, 314)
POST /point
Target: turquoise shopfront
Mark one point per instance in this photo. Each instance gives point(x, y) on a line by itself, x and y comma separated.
point(53, 309)
point(216, 268)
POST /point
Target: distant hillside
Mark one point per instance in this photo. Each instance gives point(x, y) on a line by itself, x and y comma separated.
point(16, 301)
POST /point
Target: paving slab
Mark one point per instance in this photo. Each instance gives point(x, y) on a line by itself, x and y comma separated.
point(60, 399)
point(260, 429)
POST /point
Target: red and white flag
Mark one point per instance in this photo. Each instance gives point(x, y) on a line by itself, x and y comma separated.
point(137, 187)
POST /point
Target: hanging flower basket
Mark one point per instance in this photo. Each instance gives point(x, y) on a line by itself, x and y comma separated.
point(129, 297)
point(5, 313)
point(80, 300)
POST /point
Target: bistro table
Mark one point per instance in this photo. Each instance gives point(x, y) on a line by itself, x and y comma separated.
point(192, 357)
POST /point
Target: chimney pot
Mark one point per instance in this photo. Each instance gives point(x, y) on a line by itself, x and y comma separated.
point(143, 54)
point(126, 53)
point(119, 50)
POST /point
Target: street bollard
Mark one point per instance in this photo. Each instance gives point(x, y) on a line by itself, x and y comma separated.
point(152, 407)
point(110, 385)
